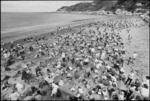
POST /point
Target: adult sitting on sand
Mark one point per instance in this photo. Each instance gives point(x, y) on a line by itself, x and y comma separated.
point(145, 92)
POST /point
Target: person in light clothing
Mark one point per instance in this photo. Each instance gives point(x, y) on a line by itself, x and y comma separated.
point(55, 89)
point(130, 78)
point(134, 56)
point(145, 91)
point(14, 96)
point(61, 83)
point(86, 61)
point(103, 55)
point(108, 68)
point(121, 95)
point(98, 65)
point(19, 86)
point(48, 79)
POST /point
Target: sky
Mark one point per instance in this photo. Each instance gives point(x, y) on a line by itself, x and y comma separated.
point(34, 6)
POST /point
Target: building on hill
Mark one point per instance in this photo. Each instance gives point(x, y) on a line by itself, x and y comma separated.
point(138, 4)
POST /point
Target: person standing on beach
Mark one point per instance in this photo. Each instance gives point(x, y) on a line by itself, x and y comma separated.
point(134, 56)
point(129, 39)
point(130, 78)
point(129, 61)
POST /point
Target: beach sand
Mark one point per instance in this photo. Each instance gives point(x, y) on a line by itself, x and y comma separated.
point(139, 44)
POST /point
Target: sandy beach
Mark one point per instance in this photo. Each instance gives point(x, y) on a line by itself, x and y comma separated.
point(139, 44)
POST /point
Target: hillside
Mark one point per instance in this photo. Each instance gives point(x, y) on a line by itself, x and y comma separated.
point(111, 5)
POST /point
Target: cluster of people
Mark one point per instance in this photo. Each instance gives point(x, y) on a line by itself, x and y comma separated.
point(88, 65)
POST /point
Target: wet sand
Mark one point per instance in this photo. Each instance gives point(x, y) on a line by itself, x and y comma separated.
point(17, 26)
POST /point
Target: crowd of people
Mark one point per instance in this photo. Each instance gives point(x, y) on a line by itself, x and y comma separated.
point(88, 65)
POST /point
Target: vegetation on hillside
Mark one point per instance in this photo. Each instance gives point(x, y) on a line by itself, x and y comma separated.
point(111, 5)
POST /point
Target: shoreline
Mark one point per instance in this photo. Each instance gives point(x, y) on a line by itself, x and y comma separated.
point(41, 31)
point(26, 31)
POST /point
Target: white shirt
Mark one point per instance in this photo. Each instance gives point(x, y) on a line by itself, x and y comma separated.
point(96, 71)
point(97, 54)
point(61, 83)
point(99, 92)
point(96, 60)
point(134, 55)
point(73, 89)
point(70, 68)
point(81, 91)
point(86, 60)
point(25, 66)
point(98, 65)
point(49, 80)
point(108, 67)
point(121, 97)
point(55, 88)
point(5, 55)
point(19, 86)
point(38, 97)
point(99, 47)
point(103, 55)
point(63, 55)
point(131, 75)
point(52, 74)
point(105, 98)
point(14, 96)
point(113, 78)
point(69, 75)
point(122, 70)
point(145, 92)
point(132, 88)
point(93, 50)
point(104, 77)
point(58, 66)
point(105, 93)
point(88, 86)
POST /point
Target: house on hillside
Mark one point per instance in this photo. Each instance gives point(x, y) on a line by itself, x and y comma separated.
point(126, 12)
point(122, 12)
point(118, 12)
point(138, 4)
point(129, 13)
point(101, 12)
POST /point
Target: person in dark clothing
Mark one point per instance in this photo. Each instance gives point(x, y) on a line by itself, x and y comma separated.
point(6, 84)
point(24, 75)
point(37, 70)
point(7, 68)
point(71, 98)
point(116, 66)
point(129, 61)
point(130, 78)
point(31, 48)
point(121, 62)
